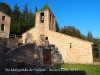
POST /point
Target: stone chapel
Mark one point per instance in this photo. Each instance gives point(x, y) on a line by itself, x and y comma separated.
point(71, 49)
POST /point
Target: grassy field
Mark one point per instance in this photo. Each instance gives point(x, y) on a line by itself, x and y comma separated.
point(74, 69)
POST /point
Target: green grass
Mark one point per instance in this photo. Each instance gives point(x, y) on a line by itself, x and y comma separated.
point(75, 69)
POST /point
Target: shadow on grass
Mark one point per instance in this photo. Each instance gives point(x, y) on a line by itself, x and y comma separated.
point(64, 73)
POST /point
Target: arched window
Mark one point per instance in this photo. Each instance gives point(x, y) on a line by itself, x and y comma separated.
point(42, 17)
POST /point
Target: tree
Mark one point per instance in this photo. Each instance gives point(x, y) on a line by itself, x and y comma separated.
point(31, 19)
point(72, 31)
point(5, 8)
point(25, 16)
point(90, 36)
point(96, 47)
point(25, 12)
point(36, 9)
point(15, 20)
point(27, 19)
point(83, 37)
point(57, 27)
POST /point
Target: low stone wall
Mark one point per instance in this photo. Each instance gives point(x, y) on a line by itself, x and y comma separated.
point(4, 35)
point(24, 53)
point(8, 44)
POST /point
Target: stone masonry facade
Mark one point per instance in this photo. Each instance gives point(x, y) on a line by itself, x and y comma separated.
point(73, 50)
point(4, 25)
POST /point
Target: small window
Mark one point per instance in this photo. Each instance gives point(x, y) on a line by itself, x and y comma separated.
point(70, 45)
point(2, 27)
point(46, 38)
point(42, 17)
point(3, 18)
point(49, 27)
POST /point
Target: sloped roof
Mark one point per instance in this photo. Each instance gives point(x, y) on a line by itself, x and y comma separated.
point(45, 7)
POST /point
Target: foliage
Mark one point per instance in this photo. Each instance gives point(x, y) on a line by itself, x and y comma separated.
point(57, 27)
point(15, 20)
point(27, 19)
point(21, 21)
point(96, 44)
point(83, 37)
point(36, 9)
point(90, 36)
point(72, 31)
point(96, 48)
point(5, 8)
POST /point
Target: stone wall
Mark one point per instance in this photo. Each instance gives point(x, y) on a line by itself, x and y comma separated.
point(73, 50)
point(49, 21)
point(6, 22)
point(7, 44)
point(22, 53)
point(32, 35)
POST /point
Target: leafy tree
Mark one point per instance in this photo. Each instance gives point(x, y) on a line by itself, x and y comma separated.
point(72, 31)
point(5, 8)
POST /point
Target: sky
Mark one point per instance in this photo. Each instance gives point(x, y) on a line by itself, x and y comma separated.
point(82, 14)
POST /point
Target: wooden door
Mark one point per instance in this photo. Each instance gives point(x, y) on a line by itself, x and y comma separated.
point(46, 56)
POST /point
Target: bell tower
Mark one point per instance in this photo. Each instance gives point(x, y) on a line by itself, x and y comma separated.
point(45, 19)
